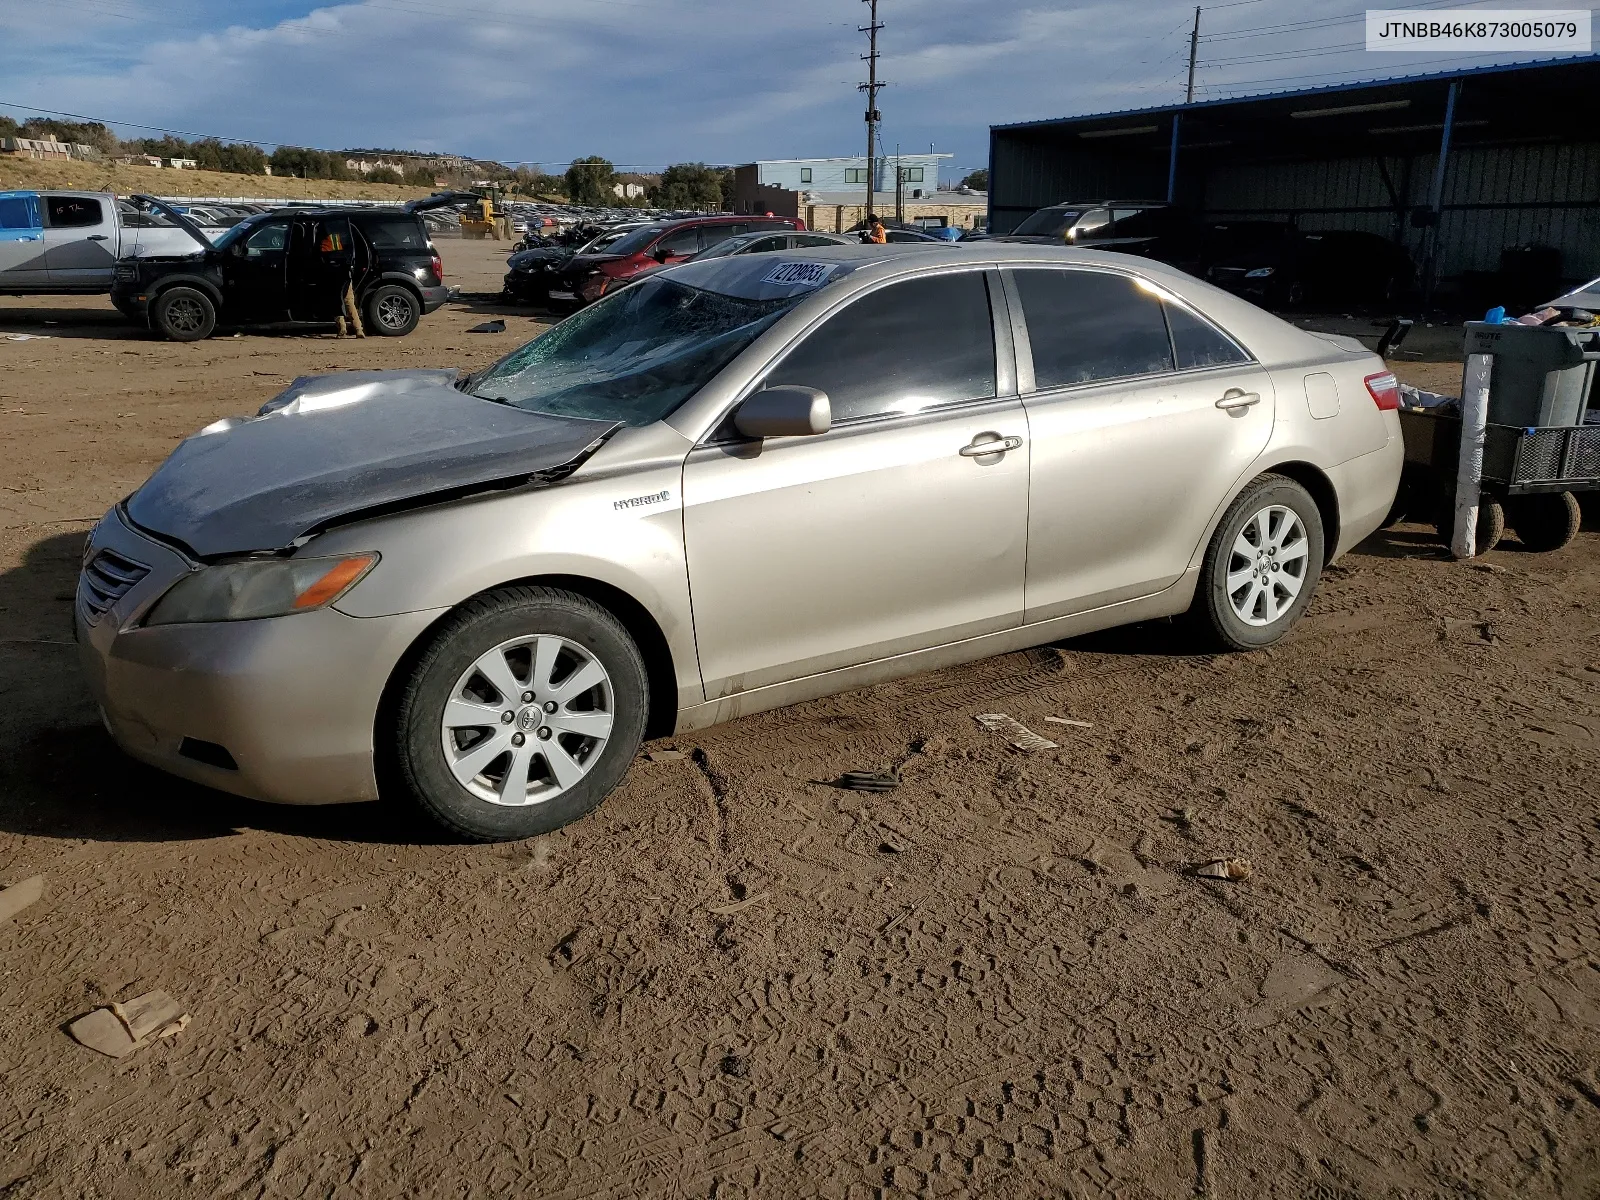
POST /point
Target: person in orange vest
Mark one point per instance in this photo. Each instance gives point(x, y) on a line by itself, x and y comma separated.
point(878, 235)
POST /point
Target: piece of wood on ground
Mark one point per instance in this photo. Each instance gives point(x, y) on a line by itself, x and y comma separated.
point(121, 1029)
point(19, 895)
point(1020, 736)
point(1070, 721)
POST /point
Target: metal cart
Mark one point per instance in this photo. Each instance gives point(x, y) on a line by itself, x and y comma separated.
point(1530, 476)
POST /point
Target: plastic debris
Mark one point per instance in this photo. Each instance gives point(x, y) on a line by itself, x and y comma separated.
point(19, 895)
point(1022, 738)
point(868, 781)
point(120, 1029)
point(1236, 869)
point(28, 337)
point(1070, 721)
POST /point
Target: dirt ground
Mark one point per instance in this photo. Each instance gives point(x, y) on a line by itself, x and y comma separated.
point(1000, 979)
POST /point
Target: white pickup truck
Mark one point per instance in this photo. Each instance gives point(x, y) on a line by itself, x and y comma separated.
point(54, 242)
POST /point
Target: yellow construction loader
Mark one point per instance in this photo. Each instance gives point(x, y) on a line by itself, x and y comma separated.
point(485, 218)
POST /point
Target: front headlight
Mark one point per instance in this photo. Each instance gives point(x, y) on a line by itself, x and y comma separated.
point(126, 272)
point(267, 587)
point(1260, 273)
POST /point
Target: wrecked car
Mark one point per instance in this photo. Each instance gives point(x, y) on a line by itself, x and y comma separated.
point(290, 267)
point(534, 269)
point(474, 592)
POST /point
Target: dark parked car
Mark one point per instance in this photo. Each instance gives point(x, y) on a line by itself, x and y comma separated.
point(586, 278)
point(533, 271)
point(1163, 232)
point(290, 267)
point(1299, 268)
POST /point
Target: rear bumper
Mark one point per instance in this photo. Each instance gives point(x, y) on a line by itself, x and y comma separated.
point(434, 297)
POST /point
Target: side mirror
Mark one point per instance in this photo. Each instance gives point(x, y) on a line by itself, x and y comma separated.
point(661, 254)
point(784, 412)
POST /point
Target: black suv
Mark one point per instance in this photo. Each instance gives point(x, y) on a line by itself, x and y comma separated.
point(290, 267)
point(1152, 229)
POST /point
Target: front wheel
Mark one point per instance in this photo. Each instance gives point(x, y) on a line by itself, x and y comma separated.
point(393, 311)
point(183, 314)
point(522, 714)
point(1261, 567)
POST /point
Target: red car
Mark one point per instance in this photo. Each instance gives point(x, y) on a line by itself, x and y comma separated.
point(588, 276)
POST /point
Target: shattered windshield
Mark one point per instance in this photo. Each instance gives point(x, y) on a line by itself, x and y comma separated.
point(1048, 222)
point(633, 357)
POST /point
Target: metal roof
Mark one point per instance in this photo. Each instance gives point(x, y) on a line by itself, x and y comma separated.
point(1321, 90)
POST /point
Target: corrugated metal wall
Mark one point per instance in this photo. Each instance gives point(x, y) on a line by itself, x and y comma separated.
point(1495, 197)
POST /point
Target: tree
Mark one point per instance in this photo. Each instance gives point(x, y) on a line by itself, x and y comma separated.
point(308, 164)
point(590, 180)
point(421, 175)
point(383, 175)
point(690, 185)
point(978, 181)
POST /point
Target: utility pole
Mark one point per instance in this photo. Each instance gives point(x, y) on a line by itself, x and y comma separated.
point(1194, 52)
point(871, 88)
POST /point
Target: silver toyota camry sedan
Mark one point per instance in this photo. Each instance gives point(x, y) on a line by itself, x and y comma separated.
point(730, 486)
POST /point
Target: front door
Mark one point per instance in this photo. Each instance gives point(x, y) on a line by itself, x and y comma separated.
point(255, 276)
point(888, 534)
point(1144, 418)
point(21, 241)
point(80, 239)
point(321, 267)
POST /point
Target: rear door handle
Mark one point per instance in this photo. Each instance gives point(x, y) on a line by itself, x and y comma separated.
point(1234, 398)
point(97, 237)
point(989, 443)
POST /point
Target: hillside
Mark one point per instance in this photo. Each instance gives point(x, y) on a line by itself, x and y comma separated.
point(157, 181)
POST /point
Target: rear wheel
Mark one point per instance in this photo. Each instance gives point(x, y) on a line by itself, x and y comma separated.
point(1545, 521)
point(183, 314)
point(1490, 529)
point(522, 714)
point(392, 311)
point(1262, 565)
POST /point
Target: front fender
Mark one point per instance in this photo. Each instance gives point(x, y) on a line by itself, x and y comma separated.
point(198, 282)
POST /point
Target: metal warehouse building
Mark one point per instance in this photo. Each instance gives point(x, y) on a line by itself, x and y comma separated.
point(1459, 166)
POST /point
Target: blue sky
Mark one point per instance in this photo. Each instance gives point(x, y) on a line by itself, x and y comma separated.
point(648, 82)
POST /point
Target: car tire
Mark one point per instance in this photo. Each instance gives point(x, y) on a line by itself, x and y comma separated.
point(1271, 534)
point(392, 311)
point(183, 314)
point(1545, 521)
point(529, 632)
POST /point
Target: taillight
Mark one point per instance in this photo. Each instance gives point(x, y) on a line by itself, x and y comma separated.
point(1384, 389)
point(438, 268)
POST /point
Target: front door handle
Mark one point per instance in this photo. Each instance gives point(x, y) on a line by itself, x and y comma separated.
point(97, 237)
point(1235, 398)
point(986, 444)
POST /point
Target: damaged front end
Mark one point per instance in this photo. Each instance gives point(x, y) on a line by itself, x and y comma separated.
point(333, 449)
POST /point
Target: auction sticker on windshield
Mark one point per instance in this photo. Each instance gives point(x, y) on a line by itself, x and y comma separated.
point(799, 273)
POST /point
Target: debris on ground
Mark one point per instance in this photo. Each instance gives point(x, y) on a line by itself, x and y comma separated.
point(120, 1029)
point(1022, 738)
point(1236, 869)
point(1070, 721)
point(868, 781)
point(663, 755)
point(489, 327)
point(29, 337)
point(19, 895)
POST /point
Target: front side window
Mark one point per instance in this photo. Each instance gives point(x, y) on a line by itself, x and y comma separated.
point(634, 356)
point(266, 239)
point(1048, 222)
point(1086, 326)
point(903, 348)
point(680, 242)
point(73, 212)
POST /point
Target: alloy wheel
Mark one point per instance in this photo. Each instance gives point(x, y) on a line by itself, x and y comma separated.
point(393, 312)
point(527, 720)
point(1267, 565)
point(185, 314)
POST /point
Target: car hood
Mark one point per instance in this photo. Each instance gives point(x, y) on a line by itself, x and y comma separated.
point(333, 447)
point(538, 256)
point(589, 262)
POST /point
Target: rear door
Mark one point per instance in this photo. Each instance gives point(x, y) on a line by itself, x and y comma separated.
point(321, 266)
point(21, 241)
point(1144, 418)
point(80, 239)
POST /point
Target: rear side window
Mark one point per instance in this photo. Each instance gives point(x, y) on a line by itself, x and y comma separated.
point(1198, 343)
point(711, 235)
point(69, 212)
point(18, 212)
point(1086, 326)
point(395, 233)
point(903, 348)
